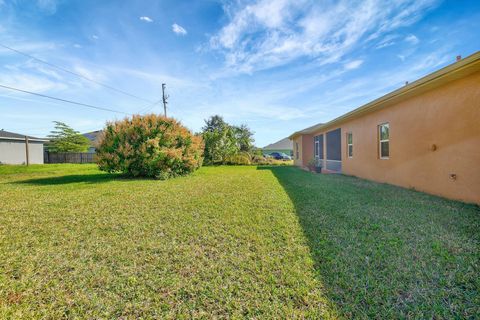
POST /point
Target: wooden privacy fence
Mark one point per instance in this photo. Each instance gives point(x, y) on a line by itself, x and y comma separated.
point(68, 157)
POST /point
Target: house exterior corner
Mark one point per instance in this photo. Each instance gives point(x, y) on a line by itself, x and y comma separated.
point(426, 137)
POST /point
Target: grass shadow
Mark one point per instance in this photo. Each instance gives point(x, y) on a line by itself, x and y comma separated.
point(77, 178)
point(387, 252)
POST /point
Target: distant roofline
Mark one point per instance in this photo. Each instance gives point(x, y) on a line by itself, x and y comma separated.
point(95, 131)
point(272, 146)
point(444, 75)
point(30, 139)
point(7, 135)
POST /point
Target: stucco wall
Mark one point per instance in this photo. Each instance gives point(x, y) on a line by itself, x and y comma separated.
point(447, 117)
point(297, 142)
point(13, 152)
point(305, 147)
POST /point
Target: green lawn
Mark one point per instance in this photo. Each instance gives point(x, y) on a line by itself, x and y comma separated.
point(238, 242)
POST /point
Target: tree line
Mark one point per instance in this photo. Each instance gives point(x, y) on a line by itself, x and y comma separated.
point(157, 146)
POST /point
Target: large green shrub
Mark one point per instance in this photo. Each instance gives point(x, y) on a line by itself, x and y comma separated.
point(225, 143)
point(219, 138)
point(149, 146)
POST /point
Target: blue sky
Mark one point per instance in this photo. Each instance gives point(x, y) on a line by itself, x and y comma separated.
point(277, 66)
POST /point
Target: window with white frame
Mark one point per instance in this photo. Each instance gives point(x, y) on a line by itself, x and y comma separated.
point(316, 147)
point(384, 141)
point(349, 145)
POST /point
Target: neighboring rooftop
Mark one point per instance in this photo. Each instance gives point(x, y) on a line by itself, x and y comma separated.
point(284, 144)
point(461, 68)
point(93, 136)
point(16, 136)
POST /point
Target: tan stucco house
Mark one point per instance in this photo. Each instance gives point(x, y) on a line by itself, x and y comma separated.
point(425, 135)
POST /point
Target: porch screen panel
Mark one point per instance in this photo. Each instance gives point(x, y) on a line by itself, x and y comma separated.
point(334, 150)
point(334, 145)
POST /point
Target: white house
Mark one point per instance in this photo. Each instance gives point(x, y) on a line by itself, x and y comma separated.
point(20, 149)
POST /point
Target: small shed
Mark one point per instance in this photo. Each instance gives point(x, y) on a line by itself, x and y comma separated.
point(20, 149)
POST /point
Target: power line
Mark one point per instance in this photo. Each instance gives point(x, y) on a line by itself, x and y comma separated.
point(63, 100)
point(149, 107)
point(12, 96)
point(74, 73)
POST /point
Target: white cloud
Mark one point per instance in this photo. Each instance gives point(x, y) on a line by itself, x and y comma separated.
point(35, 76)
point(385, 44)
point(31, 82)
point(95, 37)
point(267, 33)
point(146, 19)
point(387, 41)
point(90, 74)
point(353, 64)
point(78, 46)
point(412, 39)
point(369, 88)
point(154, 78)
point(178, 29)
point(38, 68)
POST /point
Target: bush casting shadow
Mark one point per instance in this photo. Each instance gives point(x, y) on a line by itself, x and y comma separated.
point(386, 252)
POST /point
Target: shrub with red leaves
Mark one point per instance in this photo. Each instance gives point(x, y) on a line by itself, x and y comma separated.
point(149, 146)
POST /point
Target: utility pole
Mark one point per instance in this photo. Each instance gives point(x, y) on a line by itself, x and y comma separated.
point(164, 97)
point(27, 151)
